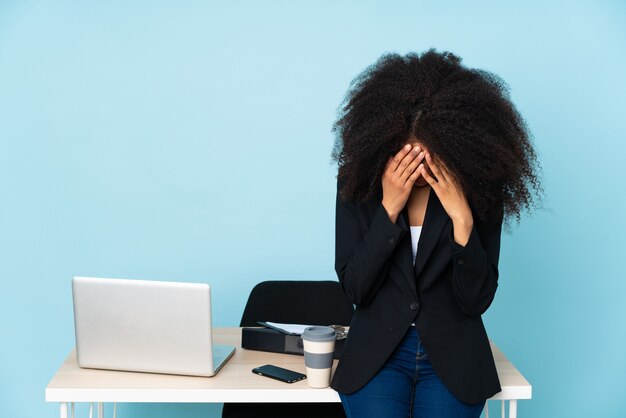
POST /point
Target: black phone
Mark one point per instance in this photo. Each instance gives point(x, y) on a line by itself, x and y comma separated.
point(278, 373)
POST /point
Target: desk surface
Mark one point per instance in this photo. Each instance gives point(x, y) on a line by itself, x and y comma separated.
point(234, 383)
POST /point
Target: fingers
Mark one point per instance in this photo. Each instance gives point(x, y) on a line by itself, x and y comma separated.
point(404, 165)
point(411, 169)
point(400, 170)
point(398, 158)
point(444, 169)
point(412, 179)
point(407, 160)
point(428, 177)
point(435, 167)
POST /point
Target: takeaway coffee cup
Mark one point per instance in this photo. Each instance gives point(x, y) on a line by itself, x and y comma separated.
point(319, 346)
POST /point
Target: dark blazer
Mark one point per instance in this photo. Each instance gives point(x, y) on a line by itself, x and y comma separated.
point(445, 294)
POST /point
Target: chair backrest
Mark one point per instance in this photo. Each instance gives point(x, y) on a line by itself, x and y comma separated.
point(297, 302)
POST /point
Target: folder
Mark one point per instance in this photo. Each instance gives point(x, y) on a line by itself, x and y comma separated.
point(268, 339)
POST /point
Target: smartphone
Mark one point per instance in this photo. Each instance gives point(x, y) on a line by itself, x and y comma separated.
point(278, 373)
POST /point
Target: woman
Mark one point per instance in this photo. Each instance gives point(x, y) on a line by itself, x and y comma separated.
point(432, 158)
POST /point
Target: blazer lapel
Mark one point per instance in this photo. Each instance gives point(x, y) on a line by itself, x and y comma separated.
point(435, 219)
point(406, 255)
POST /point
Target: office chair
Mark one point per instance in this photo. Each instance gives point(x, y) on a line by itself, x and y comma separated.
point(293, 302)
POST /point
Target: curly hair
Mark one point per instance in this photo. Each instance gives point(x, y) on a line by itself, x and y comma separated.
point(463, 116)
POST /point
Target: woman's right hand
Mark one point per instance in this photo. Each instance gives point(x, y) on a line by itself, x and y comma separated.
point(398, 178)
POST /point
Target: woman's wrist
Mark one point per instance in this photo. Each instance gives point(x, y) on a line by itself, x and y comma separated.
point(393, 215)
point(462, 228)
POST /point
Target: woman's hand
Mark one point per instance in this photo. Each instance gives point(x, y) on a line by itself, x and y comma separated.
point(451, 197)
point(398, 178)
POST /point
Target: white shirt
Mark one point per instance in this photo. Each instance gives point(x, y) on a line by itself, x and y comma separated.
point(415, 237)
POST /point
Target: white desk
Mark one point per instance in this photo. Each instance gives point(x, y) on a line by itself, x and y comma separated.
point(234, 383)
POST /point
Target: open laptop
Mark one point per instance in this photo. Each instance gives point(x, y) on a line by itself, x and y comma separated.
point(146, 326)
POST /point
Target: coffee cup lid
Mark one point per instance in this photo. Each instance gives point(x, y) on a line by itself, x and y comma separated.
point(319, 333)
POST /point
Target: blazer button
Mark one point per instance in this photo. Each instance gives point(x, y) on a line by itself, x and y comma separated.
point(392, 240)
point(461, 261)
point(414, 305)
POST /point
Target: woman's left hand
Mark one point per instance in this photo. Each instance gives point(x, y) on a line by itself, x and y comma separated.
point(451, 196)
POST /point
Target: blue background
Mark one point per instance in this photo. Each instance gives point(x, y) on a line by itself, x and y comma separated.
point(192, 142)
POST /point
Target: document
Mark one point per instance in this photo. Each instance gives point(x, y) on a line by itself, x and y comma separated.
point(290, 329)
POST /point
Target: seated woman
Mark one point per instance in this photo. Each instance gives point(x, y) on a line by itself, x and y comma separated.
point(432, 158)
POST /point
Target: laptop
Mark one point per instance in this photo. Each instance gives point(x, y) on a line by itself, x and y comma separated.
point(146, 326)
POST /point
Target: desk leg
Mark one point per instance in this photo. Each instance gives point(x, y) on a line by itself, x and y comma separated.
point(487, 409)
point(100, 410)
point(63, 409)
point(513, 408)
